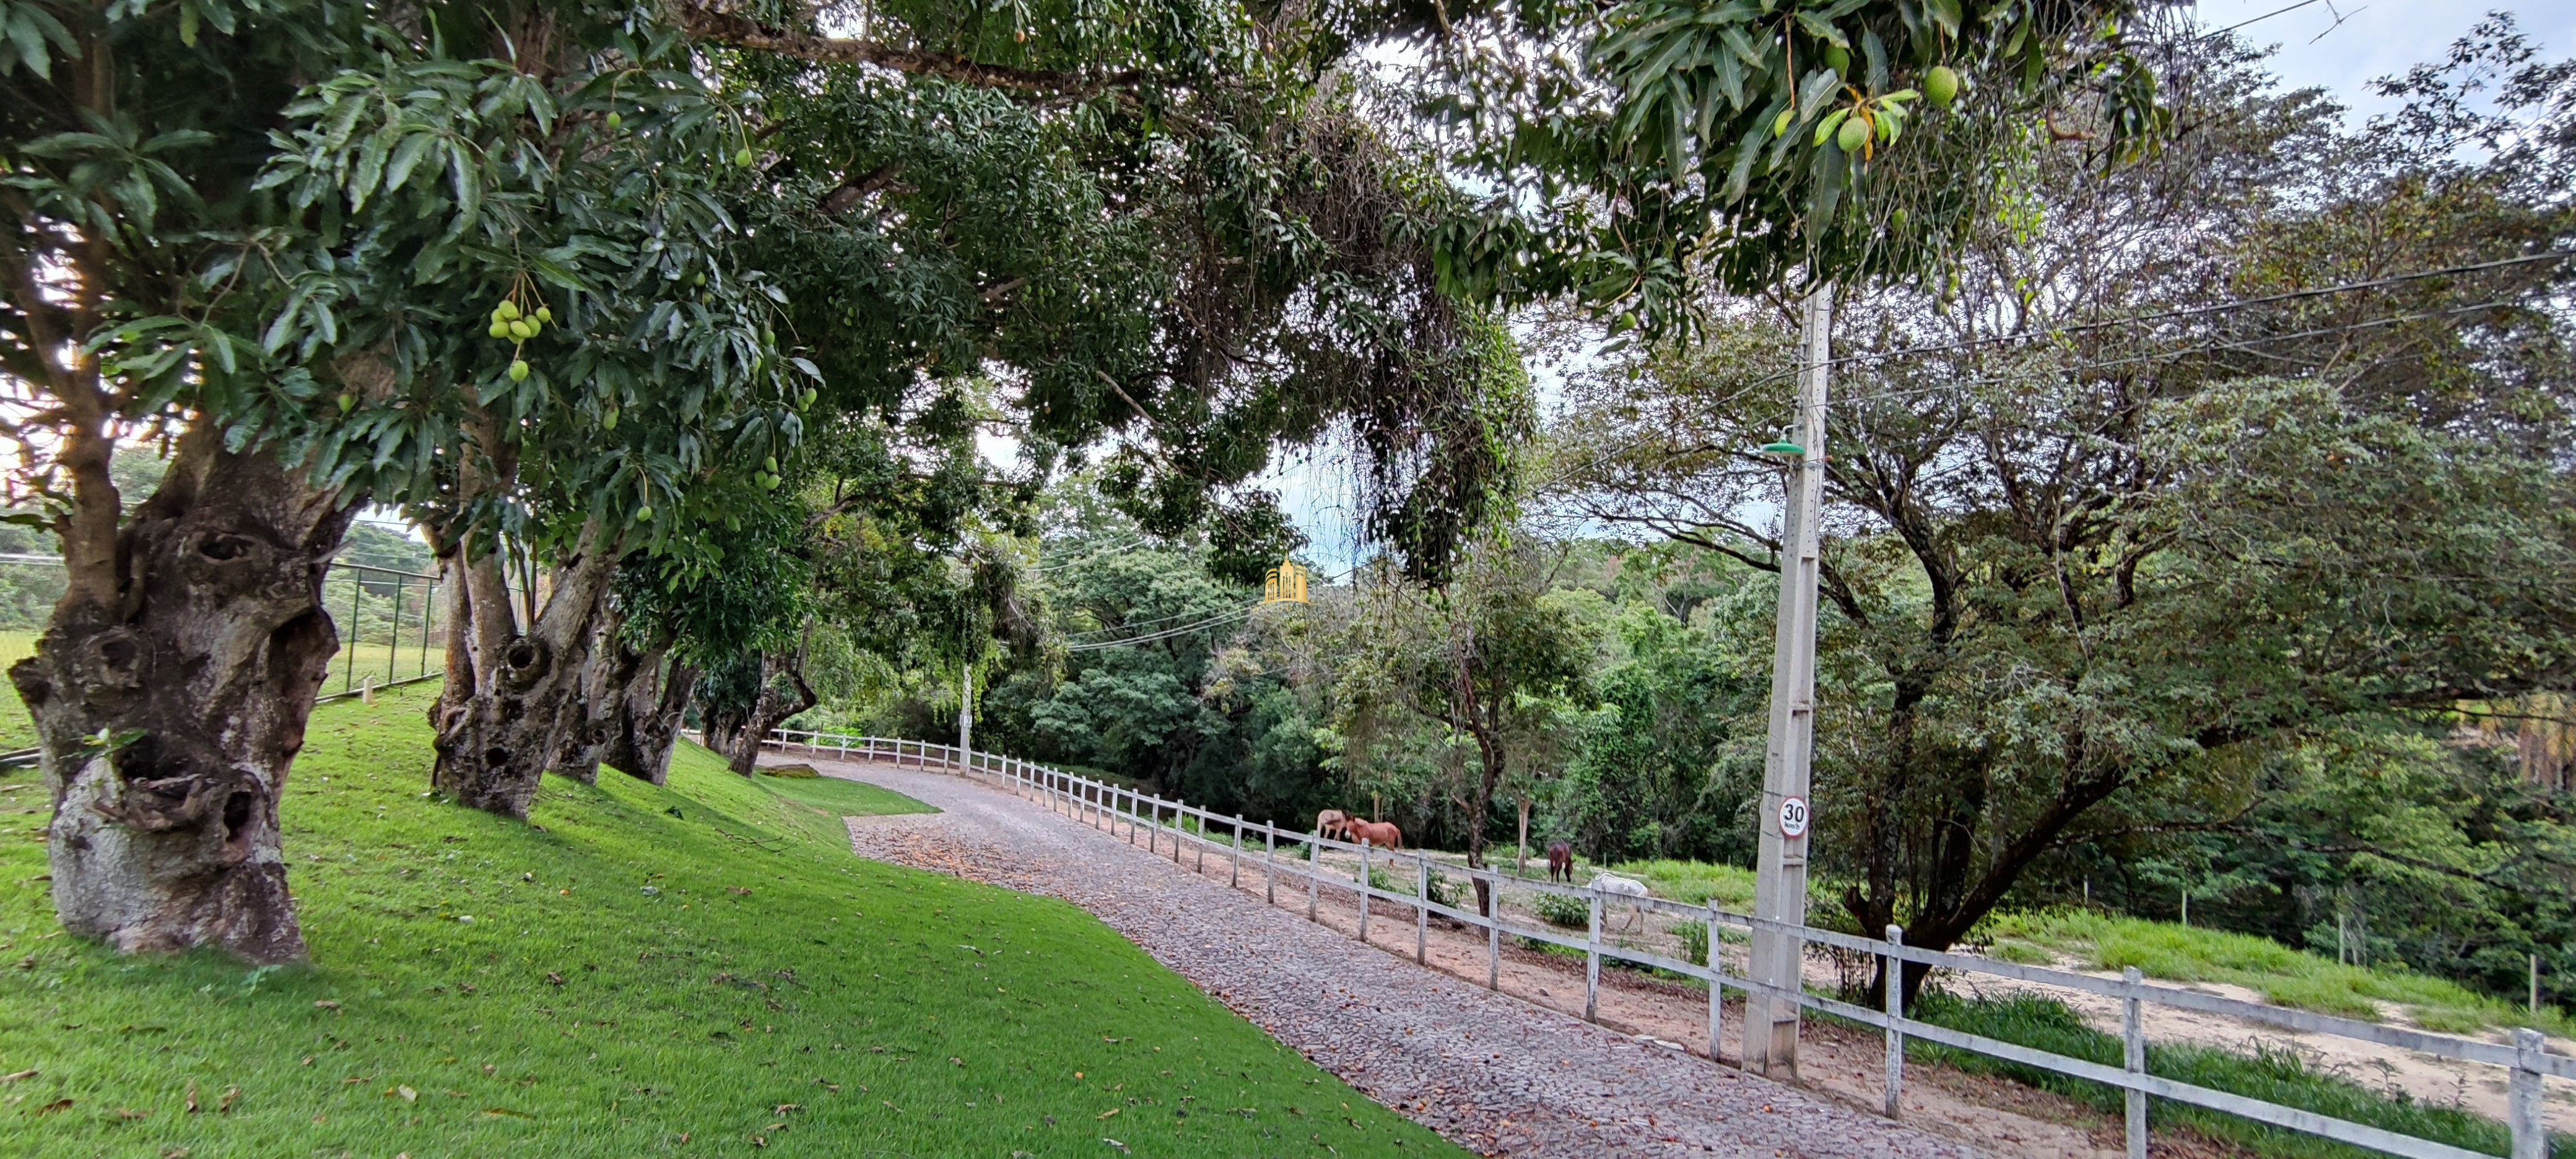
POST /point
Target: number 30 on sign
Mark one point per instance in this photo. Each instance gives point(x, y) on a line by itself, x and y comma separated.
point(1793, 817)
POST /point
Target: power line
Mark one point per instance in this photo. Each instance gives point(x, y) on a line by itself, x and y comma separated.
point(1220, 620)
point(2247, 344)
point(1130, 625)
point(2168, 315)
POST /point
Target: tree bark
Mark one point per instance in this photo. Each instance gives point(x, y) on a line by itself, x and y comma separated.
point(647, 722)
point(608, 666)
point(171, 691)
point(510, 695)
point(775, 704)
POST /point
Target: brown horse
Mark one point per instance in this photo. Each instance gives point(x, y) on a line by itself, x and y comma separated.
point(1382, 834)
point(1560, 862)
point(1333, 823)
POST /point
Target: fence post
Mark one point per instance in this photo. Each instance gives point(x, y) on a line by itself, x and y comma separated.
point(1716, 993)
point(2523, 1097)
point(1314, 871)
point(2133, 1056)
point(1180, 813)
point(1494, 934)
point(1421, 907)
point(1236, 882)
point(1269, 863)
point(1364, 891)
point(1592, 963)
point(1891, 972)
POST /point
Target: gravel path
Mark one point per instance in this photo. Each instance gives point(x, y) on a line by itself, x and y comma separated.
point(1491, 1072)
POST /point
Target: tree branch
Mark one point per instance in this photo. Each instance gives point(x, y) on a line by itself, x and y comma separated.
point(743, 32)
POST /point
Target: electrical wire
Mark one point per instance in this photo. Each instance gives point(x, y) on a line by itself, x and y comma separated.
point(2246, 344)
point(1131, 625)
point(1217, 621)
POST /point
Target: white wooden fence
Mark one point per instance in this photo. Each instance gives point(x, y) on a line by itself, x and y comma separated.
point(1176, 823)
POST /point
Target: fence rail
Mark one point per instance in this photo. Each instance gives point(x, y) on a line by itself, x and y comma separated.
point(1104, 804)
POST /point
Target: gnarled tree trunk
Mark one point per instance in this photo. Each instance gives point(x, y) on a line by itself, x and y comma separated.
point(510, 694)
point(171, 692)
point(607, 664)
point(783, 694)
point(647, 720)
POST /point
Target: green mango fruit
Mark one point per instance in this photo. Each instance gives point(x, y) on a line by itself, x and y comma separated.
point(1838, 58)
point(1853, 135)
point(614, 121)
point(507, 311)
point(769, 464)
point(518, 370)
point(545, 314)
point(742, 157)
point(608, 422)
point(1941, 85)
point(499, 329)
point(521, 330)
point(643, 515)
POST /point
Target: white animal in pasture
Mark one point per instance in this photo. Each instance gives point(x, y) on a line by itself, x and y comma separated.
point(1612, 883)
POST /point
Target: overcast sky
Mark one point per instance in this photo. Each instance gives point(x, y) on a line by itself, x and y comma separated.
point(2341, 45)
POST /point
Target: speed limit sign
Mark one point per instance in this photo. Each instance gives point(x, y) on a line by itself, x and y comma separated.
point(1793, 817)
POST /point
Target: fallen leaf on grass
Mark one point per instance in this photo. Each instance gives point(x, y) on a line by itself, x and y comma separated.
point(786, 1109)
point(224, 1106)
point(408, 1094)
point(326, 1004)
point(1122, 1147)
point(192, 1097)
point(507, 1111)
point(24, 1074)
point(182, 1153)
point(56, 1105)
point(1111, 1111)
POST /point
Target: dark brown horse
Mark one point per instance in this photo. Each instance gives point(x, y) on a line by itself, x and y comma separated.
point(1560, 862)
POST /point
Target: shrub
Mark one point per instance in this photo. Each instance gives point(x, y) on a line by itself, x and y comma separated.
point(791, 772)
point(1694, 938)
point(1557, 909)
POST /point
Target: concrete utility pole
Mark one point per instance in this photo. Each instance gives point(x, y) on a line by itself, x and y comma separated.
point(966, 710)
point(1780, 887)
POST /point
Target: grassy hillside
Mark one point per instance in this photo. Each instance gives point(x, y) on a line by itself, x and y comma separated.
point(2168, 952)
point(2282, 975)
point(702, 969)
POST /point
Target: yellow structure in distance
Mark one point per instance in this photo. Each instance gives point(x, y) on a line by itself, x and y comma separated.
point(1286, 584)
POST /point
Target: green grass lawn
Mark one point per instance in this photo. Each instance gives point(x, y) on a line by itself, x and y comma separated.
point(2282, 975)
point(17, 729)
point(698, 969)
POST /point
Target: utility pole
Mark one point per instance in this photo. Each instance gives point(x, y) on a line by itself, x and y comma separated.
point(1780, 885)
point(965, 709)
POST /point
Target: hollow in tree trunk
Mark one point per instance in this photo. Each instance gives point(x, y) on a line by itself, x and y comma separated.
point(170, 693)
point(502, 716)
